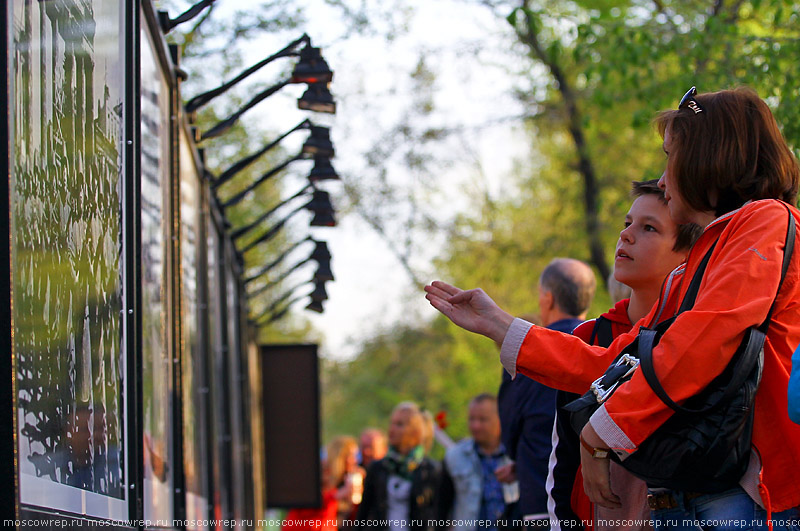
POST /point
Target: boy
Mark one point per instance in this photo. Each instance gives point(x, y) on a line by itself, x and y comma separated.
point(649, 247)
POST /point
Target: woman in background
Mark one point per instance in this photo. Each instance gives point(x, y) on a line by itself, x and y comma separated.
point(400, 491)
point(346, 476)
point(338, 490)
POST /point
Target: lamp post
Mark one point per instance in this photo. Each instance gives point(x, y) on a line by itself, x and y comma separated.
point(322, 170)
point(311, 69)
point(167, 24)
point(322, 274)
point(320, 205)
point(320, 254)
point(317, 98)
point(271, 314)
point(323, 217)
point(238, 233)
point(311, 62)
point(236, 199)
point(318, 144)
point(227, 123)
point(239, 165)
point(277, 302)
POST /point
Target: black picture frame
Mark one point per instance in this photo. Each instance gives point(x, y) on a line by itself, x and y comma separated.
point(9, 501)
point(104, 130)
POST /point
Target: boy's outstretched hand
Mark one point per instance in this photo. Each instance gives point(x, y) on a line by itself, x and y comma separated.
point(472, 309)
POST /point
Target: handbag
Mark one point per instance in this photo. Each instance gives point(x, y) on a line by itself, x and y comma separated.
point(705, 445)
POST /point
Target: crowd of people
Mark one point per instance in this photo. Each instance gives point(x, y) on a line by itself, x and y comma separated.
point(676, 409)
point(391, 482)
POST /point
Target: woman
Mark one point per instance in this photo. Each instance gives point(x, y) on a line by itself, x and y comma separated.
point(337, 492)
point(728, 170)
point(400, 489)
point(345, 475)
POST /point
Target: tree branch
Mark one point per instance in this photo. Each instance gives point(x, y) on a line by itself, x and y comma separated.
point(574, 124)
point(401, 257)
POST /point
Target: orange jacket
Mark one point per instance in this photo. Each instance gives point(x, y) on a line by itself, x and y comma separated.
point(737, 291)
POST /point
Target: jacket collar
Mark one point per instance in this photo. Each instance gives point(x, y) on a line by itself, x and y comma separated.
point(726, 216)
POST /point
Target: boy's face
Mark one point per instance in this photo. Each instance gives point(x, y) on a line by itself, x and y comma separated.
point(644, 253)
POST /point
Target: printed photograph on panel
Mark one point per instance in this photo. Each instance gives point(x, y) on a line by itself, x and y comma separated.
point(66, 215)
point(156, 355)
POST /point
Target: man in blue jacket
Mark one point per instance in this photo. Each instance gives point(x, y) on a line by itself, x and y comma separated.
point(527, 408)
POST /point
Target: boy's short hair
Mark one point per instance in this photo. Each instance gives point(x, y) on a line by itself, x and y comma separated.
point(732, 151)
point(687, 233)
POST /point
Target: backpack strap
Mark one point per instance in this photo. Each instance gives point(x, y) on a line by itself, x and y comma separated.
point(602, 334)
point(753, 341)
point(605, 334)
point(787, 258)
point(697, 279)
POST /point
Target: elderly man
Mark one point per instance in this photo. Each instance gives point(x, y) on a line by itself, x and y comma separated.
point(527, 408)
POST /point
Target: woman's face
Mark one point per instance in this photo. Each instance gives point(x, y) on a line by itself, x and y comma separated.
point(400, 433)
point(679, 211)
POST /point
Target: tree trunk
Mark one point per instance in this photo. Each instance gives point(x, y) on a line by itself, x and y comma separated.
point(574, 123)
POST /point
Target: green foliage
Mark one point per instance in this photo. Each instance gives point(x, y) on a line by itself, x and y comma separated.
point(591, 70)
point(438, 367)
point(621, 61)
point(654, 52)
point(211, 52)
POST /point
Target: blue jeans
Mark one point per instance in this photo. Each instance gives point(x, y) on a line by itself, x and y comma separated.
point(732, 510)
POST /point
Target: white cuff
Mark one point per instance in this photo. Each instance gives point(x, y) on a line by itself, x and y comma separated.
point(512, 343)
point(611, 434)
